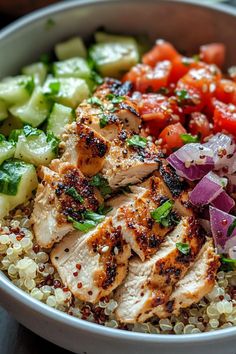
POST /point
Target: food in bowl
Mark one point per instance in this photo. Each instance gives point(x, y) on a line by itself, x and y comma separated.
point(118, 184)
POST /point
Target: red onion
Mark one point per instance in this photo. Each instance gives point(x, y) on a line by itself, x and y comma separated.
point(220, 223)
point(192, 161)
point(223, 202)
point(209, 188)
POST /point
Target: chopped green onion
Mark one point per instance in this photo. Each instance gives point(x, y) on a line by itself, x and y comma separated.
point(228, 260)
point(183, 247)
point(137, 140)
point(188, 138)
point(72, 192)
point(161, 214)
point(231, 228)
point(97, 218)
point(83, 226)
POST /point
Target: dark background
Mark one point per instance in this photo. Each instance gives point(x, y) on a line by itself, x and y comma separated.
point(14, 338)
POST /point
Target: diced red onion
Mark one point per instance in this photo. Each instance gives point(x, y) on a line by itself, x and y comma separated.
point(223, 202)
point(192, 161)
point(220, 223)
point(209, 188)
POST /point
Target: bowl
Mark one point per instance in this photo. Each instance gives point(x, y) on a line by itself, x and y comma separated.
point(187, 25)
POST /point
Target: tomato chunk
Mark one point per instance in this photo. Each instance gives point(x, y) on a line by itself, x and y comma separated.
point(226, 91)
point(171, 137)
point(200, 125)
point(213, 53)
point(181, 66)
point(161, 51)
point(225, 117)
point(145, 78)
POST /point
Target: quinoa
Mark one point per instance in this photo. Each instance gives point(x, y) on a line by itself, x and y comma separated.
point(29, 267)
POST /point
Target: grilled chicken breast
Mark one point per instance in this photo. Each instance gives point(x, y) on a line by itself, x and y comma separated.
point(62, 194)
point(94, 264)
point(149, 284)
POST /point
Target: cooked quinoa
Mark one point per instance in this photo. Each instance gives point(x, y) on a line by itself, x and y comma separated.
point(29, 267)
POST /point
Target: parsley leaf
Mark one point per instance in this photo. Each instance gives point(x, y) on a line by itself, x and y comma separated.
point(231, 228)
point(95, 100)
point(83, 226)
point(102, 184)
point(188, 138)
point(137, 140)
point(90, 215)
point(103, 120)
point(30, 131)
point(115, 98)
point(52, 89)
point(181, 95)
point(96, 78)
point(72, 192)
point(161, 214)
point(51, 138)
point(183, 247)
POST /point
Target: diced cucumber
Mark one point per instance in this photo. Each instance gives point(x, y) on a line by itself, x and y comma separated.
point(67, 91)
point(74, 47)
point(7, 150)
point(75, 67)
point(59, 117)
point(35, 149)
point(17, 181)
point(9, 124)
point(113, 59)
point(3, 110)
point(38, 71)
point(103, 37)
point(34, 111)
point(14, 90)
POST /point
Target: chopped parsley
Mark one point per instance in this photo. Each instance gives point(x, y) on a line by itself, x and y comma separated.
point(54, 141)
point(115, 98)
point(30, 131)
point(95, 101)
point(162, 213)
point(182, 95)
point(91, 215)
point(53, 88)
point(72, 192)
point(83, 226)
point(102, 184)
point(96, 78)
point(28, 84)
point(183, 247)
point(103, 120)
point(188, 138)
point(137, 140)
point(231, 228)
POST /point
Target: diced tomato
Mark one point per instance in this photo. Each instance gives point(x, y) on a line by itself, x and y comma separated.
point(158, 111)
point(171, 137)
point(213, 53)
point(226, 91)
point(199, 125)
point(161, 51)
point(225, 117)
point(145, 78)
point(181, 66)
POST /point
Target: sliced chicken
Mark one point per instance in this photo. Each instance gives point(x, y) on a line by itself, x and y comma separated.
point(60, 195)
point(94, 264)
point(149, 284)
point(84, 148)
point(197, 283)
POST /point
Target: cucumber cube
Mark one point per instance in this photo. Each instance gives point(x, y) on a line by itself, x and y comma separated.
point(16, 89)
point(73, 47)
point(7, 150)
point(59, 117)
point(75, 67)
point(102, 37)
point(38, 71)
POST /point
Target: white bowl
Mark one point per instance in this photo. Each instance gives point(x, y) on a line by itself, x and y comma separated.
point(187, 25)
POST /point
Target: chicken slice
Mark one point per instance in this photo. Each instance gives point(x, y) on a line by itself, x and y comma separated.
point(94, 264)
point(197, 283)
point(54, 202)
point(84, 148)
point(150, 283)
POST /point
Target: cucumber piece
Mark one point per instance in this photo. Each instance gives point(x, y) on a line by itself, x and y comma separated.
point(9, 124)
point(34, 111)
point(103, 37)
point(7, 150)
point(38, 71)
point(3, 110)
point(75, 67)
point(17, 181)
point(59, 117)
point(67, 91)
point(113, 59)
point(16, 89)
point(74, 47)
point(35, 148)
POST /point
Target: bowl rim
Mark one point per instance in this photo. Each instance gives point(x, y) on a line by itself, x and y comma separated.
point(18, 295)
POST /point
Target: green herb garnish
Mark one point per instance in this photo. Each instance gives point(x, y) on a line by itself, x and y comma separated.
point(91, 215)
point(102, 184)
point(30, 131)
point(183, 247)
point(28, 84)
point(188, 138)
point(104, 209)
point(51, 138)
point(45, 58)
point(231, 228)
point(182, 95)
point(137, 140)
point(54, 87)
point(72, 192)
point(95, 101)
point(83, 226)
point(115, 98)
point(103, 120)
point(2, 137)
point(96, 78)
point(161, 214)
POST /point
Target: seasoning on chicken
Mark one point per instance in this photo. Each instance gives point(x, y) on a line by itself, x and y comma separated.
point(93, 265)
point(62, 194)
point(149, 284)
